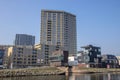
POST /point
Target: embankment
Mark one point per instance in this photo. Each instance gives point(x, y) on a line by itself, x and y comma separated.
point(93, 70)
point(42, 71)
point(76, 69)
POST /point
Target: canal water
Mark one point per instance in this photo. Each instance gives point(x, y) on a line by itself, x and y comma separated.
point(75, 76)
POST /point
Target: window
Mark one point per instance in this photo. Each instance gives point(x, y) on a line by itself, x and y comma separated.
point(33, 62)
point(34, 51)
point(110, 61)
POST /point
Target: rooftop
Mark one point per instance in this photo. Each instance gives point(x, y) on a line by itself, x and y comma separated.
point(89, 46)
point(61, 11)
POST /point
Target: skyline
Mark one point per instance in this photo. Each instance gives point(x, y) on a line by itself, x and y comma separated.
point(98, 22)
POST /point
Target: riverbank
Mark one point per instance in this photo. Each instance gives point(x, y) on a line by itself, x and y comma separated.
point(41, 71)
point(76, 69)
point(93, 70)
point(45, 71)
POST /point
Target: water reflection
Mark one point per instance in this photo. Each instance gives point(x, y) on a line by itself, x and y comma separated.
point(36, 78)
point(107, 76)
point(75, 76)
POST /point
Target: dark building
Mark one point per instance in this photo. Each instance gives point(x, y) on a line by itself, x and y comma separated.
point(59, 58)
point(2, 53)
point(24, 39)
point(109, 61)
point(90, 55)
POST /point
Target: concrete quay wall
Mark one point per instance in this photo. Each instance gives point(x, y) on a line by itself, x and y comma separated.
point(76, 69)
point(44, 71)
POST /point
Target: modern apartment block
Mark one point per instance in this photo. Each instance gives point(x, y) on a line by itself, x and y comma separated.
point(23, 56)
point(58, 29)
point(24, 39)
point(90, 55)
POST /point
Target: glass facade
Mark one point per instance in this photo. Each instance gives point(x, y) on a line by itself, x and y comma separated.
point(24, 39)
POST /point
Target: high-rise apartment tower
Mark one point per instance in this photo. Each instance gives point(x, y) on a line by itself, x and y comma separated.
point(58, 28)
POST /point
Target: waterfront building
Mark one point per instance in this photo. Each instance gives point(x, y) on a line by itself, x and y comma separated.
point(59, 58)
point(118, 57)
point(110, 61)
point(24, 39)
point(23, 56)
point(39, 46)
point(90, 55)
point(47, 50)
point(58, 29)
point(3, 55)
point(72, 61)
point(83, 57)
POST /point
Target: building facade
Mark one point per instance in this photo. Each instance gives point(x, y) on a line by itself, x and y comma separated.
point(39, 46)
point(110, 61)
point(118, 57)
point(58, 29)
point(2, 53)
point(23, 56)
point(59, 58)
point(83, 57)
point(72, 61)
point(24, 39)
point(90, 55)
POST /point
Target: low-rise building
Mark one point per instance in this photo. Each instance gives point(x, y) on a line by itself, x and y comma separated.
point(109, 61)
point(91, 55)
point(41, 60)
point(59, 58)
point(83, 57)
point(118, 57)
point(72, 61)
point(23, 56)
point(47, 50)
